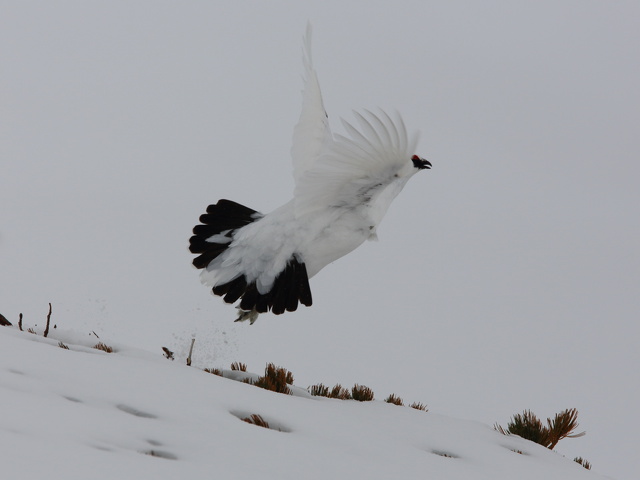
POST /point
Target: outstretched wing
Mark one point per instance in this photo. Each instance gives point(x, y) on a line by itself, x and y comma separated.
point(353, 168)
point(311, 134)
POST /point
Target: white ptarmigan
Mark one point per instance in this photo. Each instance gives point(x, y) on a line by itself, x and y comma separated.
point(343, 187)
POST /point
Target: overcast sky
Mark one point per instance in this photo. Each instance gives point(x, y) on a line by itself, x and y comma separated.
point(518, 252)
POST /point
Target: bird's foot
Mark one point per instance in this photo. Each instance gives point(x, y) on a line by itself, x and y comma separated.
point(244, 315)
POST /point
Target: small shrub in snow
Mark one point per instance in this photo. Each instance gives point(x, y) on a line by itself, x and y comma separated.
point(256, 419)
point(361, 393)
point(395, 400)
point(276, 379)
point(530, 427)
point(103, 347)
point(214, 371)
point(562, 426)
point(526, 426)
point(239, 366)
point(319, 390)
point(63, 346)
point(583, 462)
point(419, 406)
point(338, 391)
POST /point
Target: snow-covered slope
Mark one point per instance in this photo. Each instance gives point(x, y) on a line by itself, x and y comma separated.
point(82, 413)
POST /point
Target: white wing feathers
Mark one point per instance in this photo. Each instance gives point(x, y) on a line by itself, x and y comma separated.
point(312, 133)
point(338, 171)
point(353, 167)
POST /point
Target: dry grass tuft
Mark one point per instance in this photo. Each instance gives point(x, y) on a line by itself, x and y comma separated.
point(419, 406)
point(214, 371)
point(276, 379)
point(530, 427)
point(239, 366)
point(339, 392)
point(103, 347)
point(583, 462)
point(319, 390)
point(361, 393)
point(256, 419)
point(394, 400)
point(63, 346)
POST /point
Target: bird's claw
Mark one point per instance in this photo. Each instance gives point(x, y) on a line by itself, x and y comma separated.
point(244, 315)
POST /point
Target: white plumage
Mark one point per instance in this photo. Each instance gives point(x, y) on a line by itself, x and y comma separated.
point(343, 187)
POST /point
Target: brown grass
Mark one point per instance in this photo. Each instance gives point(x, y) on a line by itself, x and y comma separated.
point(361, 393)
point(339, 392)
point(394, 400)
point(242, 367)
point(583, 462)
point(256, 419)
point(103, 347)
point(528, 426)
point(419, 406)
point(276, 379)
point(319, 390)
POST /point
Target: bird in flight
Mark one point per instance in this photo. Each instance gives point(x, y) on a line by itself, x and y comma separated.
point(344, 185)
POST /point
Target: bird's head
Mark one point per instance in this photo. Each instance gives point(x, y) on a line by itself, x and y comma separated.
point(420, 163)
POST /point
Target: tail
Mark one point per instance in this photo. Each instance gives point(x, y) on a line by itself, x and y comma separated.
point(215, 234)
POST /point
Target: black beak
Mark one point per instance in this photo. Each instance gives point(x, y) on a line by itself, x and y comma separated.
point(420, 163)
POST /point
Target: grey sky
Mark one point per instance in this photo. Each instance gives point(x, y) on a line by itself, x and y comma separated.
point(506, 278)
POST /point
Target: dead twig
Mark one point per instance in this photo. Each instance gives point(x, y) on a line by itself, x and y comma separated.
point(167, 353)
point(193, 340)
point(46, 330)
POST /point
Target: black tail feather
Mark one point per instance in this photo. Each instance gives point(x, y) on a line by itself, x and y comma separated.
point(223, 218)
point(290, 287)
point(236, 289)
point(209, 252)
point(304, 290)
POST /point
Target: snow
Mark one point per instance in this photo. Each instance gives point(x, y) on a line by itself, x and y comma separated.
point(84, 413)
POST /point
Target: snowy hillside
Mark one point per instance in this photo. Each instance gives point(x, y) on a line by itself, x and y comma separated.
point(83, 413)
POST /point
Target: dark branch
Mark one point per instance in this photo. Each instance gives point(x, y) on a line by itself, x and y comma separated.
point(46, 330)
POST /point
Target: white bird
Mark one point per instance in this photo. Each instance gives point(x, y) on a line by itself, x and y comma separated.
point(343, 187)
